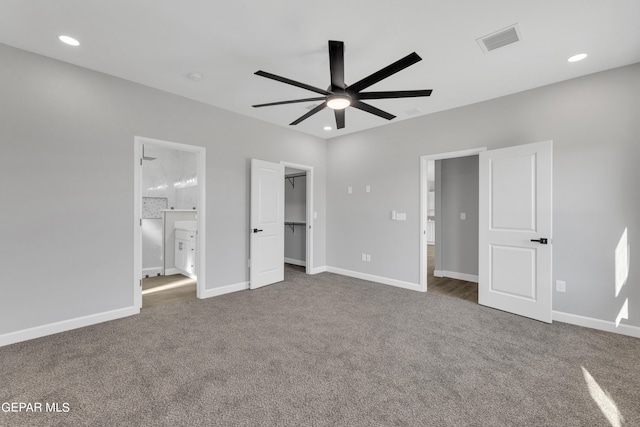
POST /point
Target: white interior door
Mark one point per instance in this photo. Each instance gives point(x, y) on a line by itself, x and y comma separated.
point(267, 223)
point(515, 230)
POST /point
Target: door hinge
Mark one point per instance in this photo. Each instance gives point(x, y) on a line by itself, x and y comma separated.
point(140, 282)
point(140, 161)
point(140, 222)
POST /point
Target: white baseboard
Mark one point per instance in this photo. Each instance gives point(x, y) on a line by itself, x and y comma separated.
point(602, 325)
point(208, 293)
point(318, 270)
point(373, 278)
point(456, 275)
point(295, 262)
point(65, 325)
point(172, 271)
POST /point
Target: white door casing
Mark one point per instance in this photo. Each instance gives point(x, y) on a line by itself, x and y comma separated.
point(267, 224)
point(515, 209)
point(201, 252)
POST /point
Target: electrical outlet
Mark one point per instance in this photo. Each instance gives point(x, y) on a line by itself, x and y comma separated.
point(349, 190)
point(364, 257)
point(368, 258)
point(401, 216)
point(561, 286)
point(368, 189)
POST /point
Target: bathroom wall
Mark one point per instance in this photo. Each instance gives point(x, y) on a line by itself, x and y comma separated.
point(172, 174)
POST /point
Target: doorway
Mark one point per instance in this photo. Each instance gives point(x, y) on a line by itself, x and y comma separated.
point(514, 230)
point(169, 232)
point(429, 215)
point(299, 215)
point(268, 222)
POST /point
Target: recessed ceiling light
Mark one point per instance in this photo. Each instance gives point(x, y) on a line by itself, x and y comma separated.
point(196, 77)
point(69, 40)
point(578, 57)
point(328, 128)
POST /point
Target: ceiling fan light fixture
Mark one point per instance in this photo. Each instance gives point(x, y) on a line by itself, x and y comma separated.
point(338, 102)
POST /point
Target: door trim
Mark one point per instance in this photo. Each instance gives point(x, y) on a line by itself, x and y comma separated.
point(424, 209)
point(137, 213)
point(309, 229)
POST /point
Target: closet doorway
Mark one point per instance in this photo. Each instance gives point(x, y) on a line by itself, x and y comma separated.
point(169, 231)
point(298, 216)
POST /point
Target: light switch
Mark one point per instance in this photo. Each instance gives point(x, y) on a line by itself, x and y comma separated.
point(364, 257)
point(349, 190)
point(368, 189)
point(463, 216)
point(401, 216)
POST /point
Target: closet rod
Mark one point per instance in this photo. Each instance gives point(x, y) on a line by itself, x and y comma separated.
point(292, 178)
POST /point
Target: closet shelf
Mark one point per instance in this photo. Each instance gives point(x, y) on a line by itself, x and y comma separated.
point(292, 224)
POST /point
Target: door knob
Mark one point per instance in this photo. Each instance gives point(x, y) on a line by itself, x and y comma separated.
point(255, 230)
point(542, 240)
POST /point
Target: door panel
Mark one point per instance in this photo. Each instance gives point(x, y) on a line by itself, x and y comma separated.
point(519, 279)
point(267, 223)
point(515, 208)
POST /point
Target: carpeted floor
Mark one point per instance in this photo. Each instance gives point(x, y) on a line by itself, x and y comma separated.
point(325, 350)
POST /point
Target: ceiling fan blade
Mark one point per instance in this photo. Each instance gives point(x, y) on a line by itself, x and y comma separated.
point(293, 101)
point(309, 114)
point(387, 71)
point(371, 109)
point(291, 82)
point(394, 94)
point(336, 64)
point(339, 118)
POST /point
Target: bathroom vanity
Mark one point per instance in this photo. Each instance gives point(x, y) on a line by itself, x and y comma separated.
point(186, 235)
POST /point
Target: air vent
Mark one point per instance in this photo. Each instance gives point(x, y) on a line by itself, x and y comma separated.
point(500, 38)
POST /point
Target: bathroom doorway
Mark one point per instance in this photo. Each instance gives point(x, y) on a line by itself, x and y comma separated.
point(169, 244)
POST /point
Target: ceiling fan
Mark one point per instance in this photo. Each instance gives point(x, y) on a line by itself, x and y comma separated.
point(339, 95)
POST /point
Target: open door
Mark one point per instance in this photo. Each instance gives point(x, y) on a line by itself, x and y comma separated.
point(267, 223)
point(515, 230)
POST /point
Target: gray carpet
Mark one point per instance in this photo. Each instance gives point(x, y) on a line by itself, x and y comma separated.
point(326, 350)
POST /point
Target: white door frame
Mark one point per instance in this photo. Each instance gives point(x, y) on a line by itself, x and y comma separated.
point(309, 227)
point(137, 213)
point(424, 208)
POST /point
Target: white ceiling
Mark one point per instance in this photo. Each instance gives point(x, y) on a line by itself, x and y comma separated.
point(158, 42)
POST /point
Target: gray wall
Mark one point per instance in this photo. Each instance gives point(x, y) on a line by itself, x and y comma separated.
point(457, 248)
point(66, 177)
point(593, 121)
